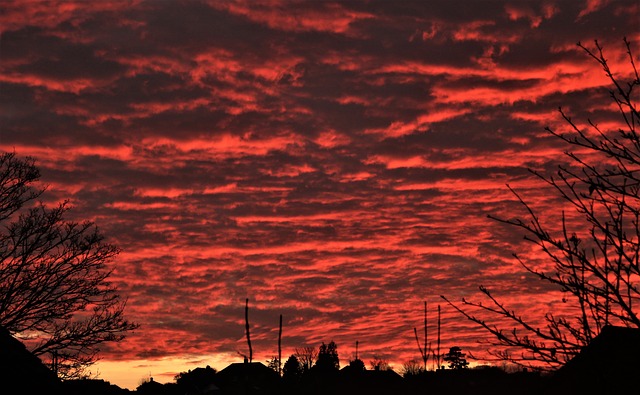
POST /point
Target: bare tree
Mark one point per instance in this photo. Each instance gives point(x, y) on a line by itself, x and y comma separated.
point(378, 362)
point(596, 264)
point(274, 363)
point(246, 321)
point(411, 368)
point(54, 288)
point(426, 351)
point(306, 357)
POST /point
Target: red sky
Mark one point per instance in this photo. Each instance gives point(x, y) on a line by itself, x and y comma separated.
point(334, 162)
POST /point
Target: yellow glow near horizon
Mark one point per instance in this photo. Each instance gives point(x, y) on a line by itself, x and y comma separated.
point(130, 374)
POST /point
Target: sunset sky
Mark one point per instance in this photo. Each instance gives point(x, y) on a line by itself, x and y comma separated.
point(332, 161)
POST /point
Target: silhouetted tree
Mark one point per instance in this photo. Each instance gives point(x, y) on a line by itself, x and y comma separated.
point(379, 363)
point(292, 369)
point(411, 368)
point(307, 357)
point(328, 357)
point(196, 380)
point(456, 358)
point(246, 320)
point(596, 265)
point(274, 363)
point(54, 288)
point(425, 349)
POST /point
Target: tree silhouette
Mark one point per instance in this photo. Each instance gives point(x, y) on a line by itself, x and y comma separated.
point(248, 334)
point(196, 380)
point(411, 368)
point(456, 358)
point(379, 363)
point(596, 265)
point(306, 356)
point(274, 363)
point(54, 288)
point(328, 357)
point(424, 351)
point(292, 370)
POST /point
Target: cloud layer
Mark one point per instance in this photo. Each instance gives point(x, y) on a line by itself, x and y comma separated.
point(334, 162)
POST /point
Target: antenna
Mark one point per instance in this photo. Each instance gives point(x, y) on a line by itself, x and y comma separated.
point(438, 356)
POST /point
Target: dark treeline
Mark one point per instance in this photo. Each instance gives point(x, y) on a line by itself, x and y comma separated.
point(606, 366)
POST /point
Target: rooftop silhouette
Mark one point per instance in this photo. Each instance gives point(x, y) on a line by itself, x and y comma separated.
point(607, 365)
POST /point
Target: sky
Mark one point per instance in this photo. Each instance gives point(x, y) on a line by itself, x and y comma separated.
point(333, 161)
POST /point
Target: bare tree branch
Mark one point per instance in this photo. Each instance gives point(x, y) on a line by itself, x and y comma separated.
point(54, 288)
point(596, 265)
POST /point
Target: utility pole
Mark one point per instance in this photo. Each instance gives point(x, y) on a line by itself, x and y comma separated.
point(280, 348)
point(246, 319)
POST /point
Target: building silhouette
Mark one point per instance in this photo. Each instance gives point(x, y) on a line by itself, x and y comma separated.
point(23, 371)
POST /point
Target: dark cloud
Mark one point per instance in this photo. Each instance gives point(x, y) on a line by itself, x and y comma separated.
point(335, 162)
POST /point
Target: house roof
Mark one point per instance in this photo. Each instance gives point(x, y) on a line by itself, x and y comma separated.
point(242, 368)
point(610, 360)
point(86, 386)
point(19, 368)
point(255, 371)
